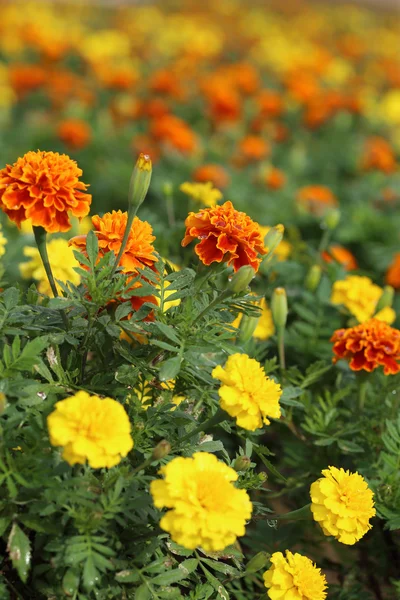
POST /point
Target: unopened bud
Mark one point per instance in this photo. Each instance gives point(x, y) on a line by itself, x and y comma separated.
point(386, 299)
point(242, 463)
point(258, 562)
point(274, 238)
point(3, 403)
point(167, 188)
point(331, 219)
point(140, 180)
point(262, 476)
point(241, 279)
point(162, 449)
point(313, 278)
point(247, 328)
point(279, 307)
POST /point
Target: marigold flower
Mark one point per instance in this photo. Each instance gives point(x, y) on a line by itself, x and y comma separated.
point(223, 100)
point(368, 346)
point(247, 393)
point(75, 133)
point(360, 296)
point(225, 234)
point(206, 509)
point(174, 131)
point(378, 154)
point(342, 256)
point(316, 199)
point(265, 327)
point(214, 173)
point(294, 577)
point(270, 103)
point(393, 272)
point(204, 193)
point(90, 428)
point(275, 179)
point(25, 78)
point(253, 148)
point(144, 393)
point(109, 229)
point(62, 262)
point(342, 503)
point(44, 187)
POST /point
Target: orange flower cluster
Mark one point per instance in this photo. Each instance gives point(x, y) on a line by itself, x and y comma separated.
point(368, 346)
point(226, 235)
point(44, 187)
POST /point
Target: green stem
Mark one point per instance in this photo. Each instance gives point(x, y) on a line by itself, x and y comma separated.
point(223, 296)
point(362, 394)
point(324, 241)
point(131, 215)
point(40, 238)
point(281, 348)
point(300, 514)
point(143, 465)
point(219, 416)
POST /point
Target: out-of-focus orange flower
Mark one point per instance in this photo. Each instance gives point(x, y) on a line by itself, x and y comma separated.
point(174, 131)
point(62, 85)
point(342, 256)
point(253, 148)
point(302, 85)
point(109, 230)
point(166, 82)
point(224, 102)
point(270, 104)
point(244, 77)
point(316, 199)
point(275, 178)
point(25, 78)
point(214, 173)
point(226, 235)
point(117, 77)
point(154, 108)
point(378, 154)
point(393, 272)
point(44, 187)
point(280, 132)
point(143, 143)
point(352, 46)
point(368, 346)
point(320, 109)
point(75, 133)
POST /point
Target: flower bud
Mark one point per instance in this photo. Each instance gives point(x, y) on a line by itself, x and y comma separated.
point(162, 449)
point(274, 238)
point(258, 562)
point(331, 219)
point(167, 188)
point(386, 299)
point(140, 180)
point(241, 279)
point(279, 307)
point(247, 328)
point(313, 278)
point(242, 463)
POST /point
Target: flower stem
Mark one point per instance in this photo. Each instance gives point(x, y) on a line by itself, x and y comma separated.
point(225, 294)
point(131, 215)
point(40, 239)
point(219, 416)
point(281, 348)
point(362, 394)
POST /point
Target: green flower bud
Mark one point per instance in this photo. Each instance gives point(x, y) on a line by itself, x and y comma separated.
point(331, 219)
point(258, 562)
point(247, 328)
point(386, 299)
point(167, 188)
point(162, 449)
point(242, 463)
point(279, 307)
point(274, 238)
point(241, 279)
point(140, 180)
point(313, 278)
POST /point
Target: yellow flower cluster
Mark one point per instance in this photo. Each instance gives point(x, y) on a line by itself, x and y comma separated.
point(90, 428)
point(206, 509)
point(360, 296)
point(294, 577)
point(342, 503)
point(204, 193)
point(62, 262)
point(247, 393)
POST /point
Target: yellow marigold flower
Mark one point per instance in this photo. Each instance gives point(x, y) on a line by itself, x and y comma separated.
point(90, 428)
point(204, 193)
point(294, 577)
point(265, 326)
point(206, 509)
point(360, 296)
point(3, 242)
point(144, 393)
point(342, 503)
point(247, 393)
point(387, 315)
point(284, 248)
point(62, 261)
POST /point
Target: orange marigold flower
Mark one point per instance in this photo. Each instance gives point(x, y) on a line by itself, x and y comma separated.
point(253, 148)
point(44, 187)
point(226, 235)
point(25, 78)
point(174, 131)
point(214, 173)
point(223, 100)
point(393, 272)
point(378, 154)
point(316, 199)
point(342, 256)
point(75, 133)
point(244, 77)
point(275, 178)
point(368, 346)
point(166, 82)
point(270, 104)
point(109, 229)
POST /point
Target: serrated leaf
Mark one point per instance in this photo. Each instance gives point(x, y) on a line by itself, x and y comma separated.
point(19, 550)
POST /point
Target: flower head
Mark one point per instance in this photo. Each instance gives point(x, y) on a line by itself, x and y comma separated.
point(90, 428)
point(316, 199)
point(62, 262)
point(226, 235)
point(379, 155)
point(75, 133)
point(109, 230)
point(342, 503)
point(175, 132)
point(43, 187)
point(211, 172)
point(393, 272)
point(369, 346)
point(294, 577)
point(247, 393)
point(204, 193)
point(206, 509)
point(342, 256)
point(360, 296)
